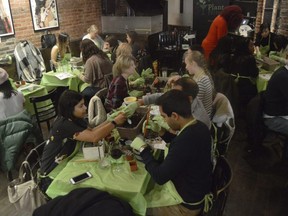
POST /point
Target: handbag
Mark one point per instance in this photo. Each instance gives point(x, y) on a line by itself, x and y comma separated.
point(25, 195)
point(48, 40)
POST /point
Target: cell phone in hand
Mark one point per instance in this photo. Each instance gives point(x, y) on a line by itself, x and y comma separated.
point(80, 178)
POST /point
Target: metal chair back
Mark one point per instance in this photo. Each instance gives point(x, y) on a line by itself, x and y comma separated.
point(33, 160)
point(222, 178)
point(45, 107)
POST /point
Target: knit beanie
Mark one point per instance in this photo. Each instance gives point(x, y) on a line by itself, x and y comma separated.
point(3, 76)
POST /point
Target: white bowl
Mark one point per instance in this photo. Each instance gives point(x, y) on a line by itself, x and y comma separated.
point(128, 100)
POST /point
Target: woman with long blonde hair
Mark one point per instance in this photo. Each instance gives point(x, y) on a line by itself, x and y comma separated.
point(124, 49)
point(118, 90)
point(197, 67)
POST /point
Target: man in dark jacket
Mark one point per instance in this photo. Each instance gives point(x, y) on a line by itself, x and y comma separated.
point(276, 101)
point(188, 162)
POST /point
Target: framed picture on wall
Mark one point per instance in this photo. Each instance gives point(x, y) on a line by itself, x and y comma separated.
point(6, 22)
point(44, 14)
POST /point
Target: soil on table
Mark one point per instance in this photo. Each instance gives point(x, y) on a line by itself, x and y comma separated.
point(136, 118)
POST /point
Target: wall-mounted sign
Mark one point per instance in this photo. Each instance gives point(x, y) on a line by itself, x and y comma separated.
point(204, 11)
point(44, 14)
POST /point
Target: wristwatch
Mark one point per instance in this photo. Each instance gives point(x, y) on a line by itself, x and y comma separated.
point(142, 148)
point(114, 123)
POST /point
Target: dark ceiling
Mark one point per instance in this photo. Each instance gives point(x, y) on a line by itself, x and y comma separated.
point(146, 7)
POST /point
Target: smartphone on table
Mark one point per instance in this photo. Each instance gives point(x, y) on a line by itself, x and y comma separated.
point(81, 177)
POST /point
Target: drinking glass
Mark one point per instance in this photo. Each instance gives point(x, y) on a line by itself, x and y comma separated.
point(59, 67)
point(105, 162)
point(164, 71)
point(116, 154)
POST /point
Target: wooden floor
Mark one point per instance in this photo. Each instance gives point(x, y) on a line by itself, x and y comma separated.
point(256, 189)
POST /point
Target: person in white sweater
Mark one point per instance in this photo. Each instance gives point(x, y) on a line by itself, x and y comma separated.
point(93, 34)
point(11, 101)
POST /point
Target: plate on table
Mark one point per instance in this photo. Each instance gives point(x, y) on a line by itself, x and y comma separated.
point(63, 75)
point(29, 87)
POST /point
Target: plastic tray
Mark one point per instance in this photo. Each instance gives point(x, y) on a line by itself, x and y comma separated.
point(131, 133)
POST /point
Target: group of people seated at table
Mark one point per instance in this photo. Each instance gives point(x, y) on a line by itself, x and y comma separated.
point(193, 96)
point(99, 56)
point(192, 184)
point(189, 120)
point(236, 56)
point(186, 109)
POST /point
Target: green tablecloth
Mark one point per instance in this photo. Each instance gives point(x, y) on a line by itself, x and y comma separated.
point(262, 81)
point(51, 80)
point(127, 185)
point(34, 90)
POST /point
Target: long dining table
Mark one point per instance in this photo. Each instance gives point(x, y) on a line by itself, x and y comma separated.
point(66, 75)
point(127, 185)
point(53, 79)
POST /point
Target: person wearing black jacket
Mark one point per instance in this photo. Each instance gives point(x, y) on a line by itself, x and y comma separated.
point(245, 71)
point(188, 162)
point(264, 42)
point(276, 101)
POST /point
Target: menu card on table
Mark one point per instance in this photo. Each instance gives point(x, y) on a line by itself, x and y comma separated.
point(63, 75)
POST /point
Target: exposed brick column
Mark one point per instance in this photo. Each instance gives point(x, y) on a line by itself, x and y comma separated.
point(259, 16)
point(274, 15)
point(283, 18)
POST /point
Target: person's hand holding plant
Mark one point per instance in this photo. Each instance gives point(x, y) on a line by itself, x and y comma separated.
point(130, 109)
point(137, 143)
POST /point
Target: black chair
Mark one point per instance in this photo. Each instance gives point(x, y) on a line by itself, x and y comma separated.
point(255, 121)
point(259, 143)
point(45, 107)
point(225, 84)
point(33, 160)
point(223, 124)
point(222, 178)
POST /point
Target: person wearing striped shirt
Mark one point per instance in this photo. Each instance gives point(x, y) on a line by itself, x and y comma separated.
point(197, 67)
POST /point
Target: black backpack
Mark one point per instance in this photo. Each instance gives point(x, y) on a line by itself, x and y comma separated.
point(48, 40)
point(85, 202)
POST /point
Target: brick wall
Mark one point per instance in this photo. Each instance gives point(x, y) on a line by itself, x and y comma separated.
point(259, 16)
point(283, 20)
point(75, 16)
